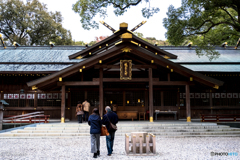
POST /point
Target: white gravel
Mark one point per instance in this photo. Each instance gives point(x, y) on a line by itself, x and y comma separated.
point(79, 148)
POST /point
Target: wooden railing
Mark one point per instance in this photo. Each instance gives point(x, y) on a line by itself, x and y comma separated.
point(144, 148)
point(35, 117)
point(220, 117)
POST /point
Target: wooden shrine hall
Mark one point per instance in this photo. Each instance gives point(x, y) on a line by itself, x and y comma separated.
point(121, 70)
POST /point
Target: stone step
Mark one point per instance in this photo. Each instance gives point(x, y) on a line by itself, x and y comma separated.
point(52, 130)
point(126, 127)
point(119, 134)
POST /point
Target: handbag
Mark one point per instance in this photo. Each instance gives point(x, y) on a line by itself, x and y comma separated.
point(104, 131)
point(111, 126)
point(80, 113)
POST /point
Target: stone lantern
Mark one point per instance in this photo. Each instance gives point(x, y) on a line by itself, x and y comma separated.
point(2, 103)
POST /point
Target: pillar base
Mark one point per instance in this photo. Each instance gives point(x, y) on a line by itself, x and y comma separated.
point(188, 119)
point(151, 119)
point(62, 120)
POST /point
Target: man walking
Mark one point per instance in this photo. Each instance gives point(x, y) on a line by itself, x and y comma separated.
point(107, 118)
point(86, 108)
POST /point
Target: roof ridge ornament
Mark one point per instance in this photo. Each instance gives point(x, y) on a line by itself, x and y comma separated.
point(139, 25)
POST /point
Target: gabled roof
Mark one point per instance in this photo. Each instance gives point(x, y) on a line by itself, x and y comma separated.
point(136, 50)
point(118, 37)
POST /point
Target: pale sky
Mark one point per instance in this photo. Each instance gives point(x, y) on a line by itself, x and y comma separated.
point(153, 27)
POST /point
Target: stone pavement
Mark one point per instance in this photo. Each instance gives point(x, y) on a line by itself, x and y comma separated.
point(79, 148)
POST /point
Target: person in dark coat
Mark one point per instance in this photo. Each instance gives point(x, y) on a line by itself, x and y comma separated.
point(113, 118)
point(94, 121)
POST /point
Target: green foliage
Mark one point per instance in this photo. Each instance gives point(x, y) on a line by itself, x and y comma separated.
point(88, 9)
point(152, 40)
point(31, 24)
point(205, 23)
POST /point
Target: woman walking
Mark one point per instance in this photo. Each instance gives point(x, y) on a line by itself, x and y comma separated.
point(94, 121)
point(79, 112)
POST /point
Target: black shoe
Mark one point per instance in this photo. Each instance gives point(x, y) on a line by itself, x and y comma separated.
point(95, 155)
point(98, 153)
point(109, 154)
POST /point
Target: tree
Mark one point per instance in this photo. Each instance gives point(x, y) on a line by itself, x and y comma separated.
point(204, 22)
point(152, 40)
point(31, 24)
point(88, 9)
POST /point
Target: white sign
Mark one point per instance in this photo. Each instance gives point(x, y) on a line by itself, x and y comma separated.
point(235, 95)
point(22, 96)
point(16, 96)
point(10, 96)
point(49, 95)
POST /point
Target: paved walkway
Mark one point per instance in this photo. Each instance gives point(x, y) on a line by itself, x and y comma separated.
point(79, 148)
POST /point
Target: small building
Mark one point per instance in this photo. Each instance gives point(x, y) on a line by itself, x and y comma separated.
point(123, 70)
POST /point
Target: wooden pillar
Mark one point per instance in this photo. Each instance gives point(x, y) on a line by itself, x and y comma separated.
point(150, 95)
point(63, 104)
point(124, 100)
point(168, 76)
point(188, 107)
point(69, 105)
point(1, 95)
point(101, 92)
point(35, 100)
point(210, 100)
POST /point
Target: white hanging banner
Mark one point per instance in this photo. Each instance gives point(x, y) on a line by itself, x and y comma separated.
point(16, 96)
point(223, 95)
point(207, 95)
point(213, 95)
point(10, 96)
point(191, 95)
point(203, 95)
point(229, 95)
point(60, 96)
point(55, 95)
point(235, 95)
point(5, 96)
point(29, 96)
point(217, 95)
point(22, 96)
point(43, 96)
point(49, 95)
point(197, 95)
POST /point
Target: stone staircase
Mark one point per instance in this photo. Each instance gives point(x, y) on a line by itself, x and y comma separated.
point(160, 129)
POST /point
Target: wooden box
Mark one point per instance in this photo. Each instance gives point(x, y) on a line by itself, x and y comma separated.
point(127, 114)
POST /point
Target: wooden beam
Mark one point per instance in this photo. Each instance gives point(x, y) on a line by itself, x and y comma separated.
point(118, 80)
point(101, 92)
point(150, 94)
point(79, 83)
point(118, 66)
point(188, 107)
point(63, 104)
point(171, 83)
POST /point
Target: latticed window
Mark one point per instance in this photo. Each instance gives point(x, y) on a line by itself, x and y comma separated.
point(113, 98)
point(170, 98)
point(135, 98)
point(157, 98)
point(77, 96)
point(93, 98)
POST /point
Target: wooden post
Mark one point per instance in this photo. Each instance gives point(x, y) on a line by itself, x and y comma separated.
point(210, 100)
point(134, 144)
point(35, 100)
point(63, 104)
point(127, 143)
point(168, 76)
point(188, 108)
point(1, 95)
point(147, 144)
point(101, 92)
point(69, 105)
point(140, 144)
point(150, 95)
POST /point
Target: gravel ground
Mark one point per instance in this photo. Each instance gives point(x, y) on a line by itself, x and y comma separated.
point(79, 148)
